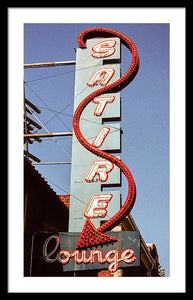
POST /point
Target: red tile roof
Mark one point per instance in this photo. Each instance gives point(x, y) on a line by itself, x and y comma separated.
point(29, 167)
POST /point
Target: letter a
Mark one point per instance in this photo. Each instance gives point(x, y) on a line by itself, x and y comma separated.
point(101, 76)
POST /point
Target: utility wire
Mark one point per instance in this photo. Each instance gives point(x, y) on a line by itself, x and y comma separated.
point(58, 74)
point(49, 132)
point(71, 195)
point(66, 191)
point(44, 102)
point(83, 119)
point(59, 112)
point(56, 115)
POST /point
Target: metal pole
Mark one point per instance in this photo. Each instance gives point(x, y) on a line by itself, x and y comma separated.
point(32, 156)
point(52, 163)
point(25, 120)
point(50, 64)
point(32, 135)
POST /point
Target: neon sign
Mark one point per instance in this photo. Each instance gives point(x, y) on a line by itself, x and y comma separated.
point(94, 212)
point(89, 171)
point(56, 253)
point(100, 169)
point(113, 257)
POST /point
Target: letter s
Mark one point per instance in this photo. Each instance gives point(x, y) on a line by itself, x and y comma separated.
point(104, 49)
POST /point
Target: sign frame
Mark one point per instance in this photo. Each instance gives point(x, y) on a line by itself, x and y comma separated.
point(55, 254)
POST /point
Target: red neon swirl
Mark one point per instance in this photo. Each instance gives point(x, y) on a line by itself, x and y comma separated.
point(113, 87)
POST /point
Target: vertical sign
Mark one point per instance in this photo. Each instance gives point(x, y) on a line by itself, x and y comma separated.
point(94, 208)
point(90, 174)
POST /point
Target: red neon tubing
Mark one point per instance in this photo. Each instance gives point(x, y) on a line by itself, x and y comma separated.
point(113, 87)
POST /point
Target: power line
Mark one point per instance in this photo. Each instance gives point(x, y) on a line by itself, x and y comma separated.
point(62, 73)
point(52, 163)
point(55, 115)
point(59, 113)
point(49, 132)
point(71, 195)
point(88, 120)
point(43, 101)
point(65, 191)
point(83, 119)
point(54, 64)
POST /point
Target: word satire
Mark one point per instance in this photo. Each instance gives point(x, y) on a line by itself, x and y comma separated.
point(113, 257)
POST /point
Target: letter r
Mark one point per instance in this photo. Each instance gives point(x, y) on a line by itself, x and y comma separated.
point(100, 168)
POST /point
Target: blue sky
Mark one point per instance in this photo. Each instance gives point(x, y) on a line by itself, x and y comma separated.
point(145, 116)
